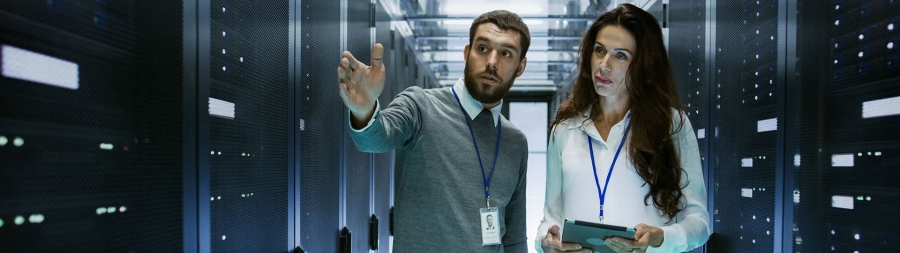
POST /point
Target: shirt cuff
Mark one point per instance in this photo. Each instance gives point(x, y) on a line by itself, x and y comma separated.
point(672, 237)
point(537, 241)
point(372, 120)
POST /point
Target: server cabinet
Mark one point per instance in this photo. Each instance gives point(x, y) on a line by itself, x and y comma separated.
point(687, 56)
point(384, 162)
point(91, 126)
point(745, 126)
point(689, 60)
point(358, 164)
point(322, 123)
point(842, 135)
point(248, 124)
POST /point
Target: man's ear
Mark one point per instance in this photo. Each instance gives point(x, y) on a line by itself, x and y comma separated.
point(466, 53)
point(521, 68)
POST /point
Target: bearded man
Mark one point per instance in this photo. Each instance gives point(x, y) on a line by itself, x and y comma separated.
point(459, 160)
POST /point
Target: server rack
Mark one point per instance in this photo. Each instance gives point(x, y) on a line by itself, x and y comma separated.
point(831, 137)
point(384, 163)
point(248, 128)
point(689, 60)
point(91, 126)
point(177, 102)
point(844, 120)
point(359, 164)
point(321, 115)
point(745, 130)
point(687, 55)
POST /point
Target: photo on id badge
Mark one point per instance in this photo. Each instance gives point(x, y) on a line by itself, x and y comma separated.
point(490, 226)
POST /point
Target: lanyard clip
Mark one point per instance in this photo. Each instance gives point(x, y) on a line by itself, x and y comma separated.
point(487, 197)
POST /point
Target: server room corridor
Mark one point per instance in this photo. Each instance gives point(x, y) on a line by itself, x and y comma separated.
point(219, 126)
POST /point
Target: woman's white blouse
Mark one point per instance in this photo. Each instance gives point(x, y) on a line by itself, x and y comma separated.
point(572, 193)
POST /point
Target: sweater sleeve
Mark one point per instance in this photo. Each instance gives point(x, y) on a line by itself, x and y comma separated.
point(691, 228)
point(515, 239)
point(393, 127)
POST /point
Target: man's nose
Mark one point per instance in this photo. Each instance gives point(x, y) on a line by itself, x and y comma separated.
point(493, 59)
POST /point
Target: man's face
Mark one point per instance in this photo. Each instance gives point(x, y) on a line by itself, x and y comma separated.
point(493, 61)
point(490, 221)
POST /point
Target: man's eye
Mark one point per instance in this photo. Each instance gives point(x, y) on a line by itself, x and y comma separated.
point(483, 49)
point(506, 54)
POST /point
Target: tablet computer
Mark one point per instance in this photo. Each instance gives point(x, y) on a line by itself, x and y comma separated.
point(591, 235)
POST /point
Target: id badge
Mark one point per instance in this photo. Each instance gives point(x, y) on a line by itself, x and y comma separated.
point(490, 226)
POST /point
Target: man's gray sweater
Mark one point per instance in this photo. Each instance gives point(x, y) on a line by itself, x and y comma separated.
point(438, 181)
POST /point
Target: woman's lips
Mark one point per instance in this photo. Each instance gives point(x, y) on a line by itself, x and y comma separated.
point(602, 80)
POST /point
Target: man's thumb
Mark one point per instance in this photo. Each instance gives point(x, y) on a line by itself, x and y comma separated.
point(377, 55)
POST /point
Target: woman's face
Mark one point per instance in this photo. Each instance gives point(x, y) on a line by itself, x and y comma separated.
point(614, 49)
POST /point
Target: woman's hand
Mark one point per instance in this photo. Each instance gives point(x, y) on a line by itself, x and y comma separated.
point(644, 236)
point(552, 243)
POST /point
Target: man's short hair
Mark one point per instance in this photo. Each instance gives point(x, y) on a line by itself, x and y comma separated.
point(506, 20)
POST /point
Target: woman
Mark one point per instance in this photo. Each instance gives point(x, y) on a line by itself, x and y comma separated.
point(623, 129)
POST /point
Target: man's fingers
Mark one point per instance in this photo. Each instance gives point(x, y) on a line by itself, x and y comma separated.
point(352, 63)
point(345, 63)
point(343, 88)
point(341, 74)
point(377, 55)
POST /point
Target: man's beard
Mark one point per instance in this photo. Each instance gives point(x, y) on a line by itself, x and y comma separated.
point(486, 93)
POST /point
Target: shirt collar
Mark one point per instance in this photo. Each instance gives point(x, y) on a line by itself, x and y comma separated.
point(472, 106)
point(581, 121)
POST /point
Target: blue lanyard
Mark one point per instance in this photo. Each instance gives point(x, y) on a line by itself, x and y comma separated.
point(487, 179)
point(611, 166)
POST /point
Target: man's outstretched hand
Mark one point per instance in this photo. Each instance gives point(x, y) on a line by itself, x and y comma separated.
point(361, 85)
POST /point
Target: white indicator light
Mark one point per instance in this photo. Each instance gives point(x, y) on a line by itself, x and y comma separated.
point(747, 162)
point(30, 66)
point(36, 218)
point(844, 202)
point(842, 160)
point(767, 125)
point(881, 107)
point(221, 108)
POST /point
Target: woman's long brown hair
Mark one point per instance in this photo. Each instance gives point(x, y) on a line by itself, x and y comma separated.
point(653, 95)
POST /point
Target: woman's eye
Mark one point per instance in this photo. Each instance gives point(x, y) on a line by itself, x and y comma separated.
point(622, 56)
point(599, 50)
